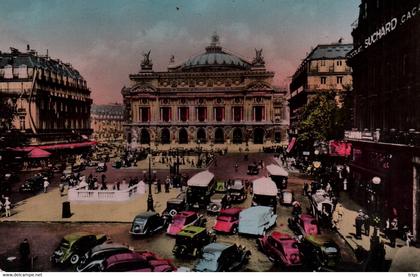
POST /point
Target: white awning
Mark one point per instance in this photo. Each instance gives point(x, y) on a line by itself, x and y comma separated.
point(264, 186)
point(201, 179)
point(276, 170)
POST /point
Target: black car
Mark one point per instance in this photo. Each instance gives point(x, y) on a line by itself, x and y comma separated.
point(147, 223)
point(320, 252)
point(253, 169)
point(93, 259)
point(218, 257)
point(33, 184)
point(237, 192)
point(191, 240)
point(175, 205)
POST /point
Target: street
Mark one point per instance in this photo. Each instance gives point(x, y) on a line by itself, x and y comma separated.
point(44, 236)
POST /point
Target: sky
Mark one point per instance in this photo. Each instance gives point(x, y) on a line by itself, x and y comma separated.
point(105, 39)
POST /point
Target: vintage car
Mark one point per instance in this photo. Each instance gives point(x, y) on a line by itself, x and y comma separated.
point(279, 176)
point(117, 164)
point(227, 221)
point(73, 246)
point(93, 259)
point(200, 188)
point(33, 184)
point(92, 163)
point(217, 202)
point(281, 248)
point(237, 192)
point(175, 205)
point(265, 193)
point(183, 219)
point(303, 225)
point(135, 262)
point(218, 257)
point(256, 220)
point(286, 197)
point(191, 240)
point(101, 167)
point(321, 206)
point(253, 169)
point(147, 223)
point(320, 252)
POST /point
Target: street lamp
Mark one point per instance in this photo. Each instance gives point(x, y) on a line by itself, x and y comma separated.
point(150, 197)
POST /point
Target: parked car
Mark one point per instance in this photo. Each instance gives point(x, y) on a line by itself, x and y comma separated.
point(253, 169)
point(303, 225)
point(147, 223)
point(256, 220)
point(228, 221)
point(74, 246)
point(135, 262)
point(320, 251)
point(217, 202)
point(101, 167)
point(237, 192)
point(93, 259)
point(281, 248)
point(33, 184)
point(218, 257)
point(286, 197)
point(200, 187)
point(191, 240)
point(117, 164)
point(175, 205)
point(183, 219)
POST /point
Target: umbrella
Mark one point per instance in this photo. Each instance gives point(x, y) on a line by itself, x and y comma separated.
point(38, 153)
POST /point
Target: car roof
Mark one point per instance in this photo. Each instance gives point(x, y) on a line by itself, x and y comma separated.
point(76, 235)
point(201, 179)
point(185, 214)
point(117, 258)
point(217, 247)
point(104, 246)
point(264, 186)
point(231, 211)
point(319, 239)
point(146, 214)
point(190, 231)
point(306, 217)
point(217, 196)
point(276, 170)
point(256, 211)
point(281, 236)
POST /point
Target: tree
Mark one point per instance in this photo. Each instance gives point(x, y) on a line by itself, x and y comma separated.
point(323, 119)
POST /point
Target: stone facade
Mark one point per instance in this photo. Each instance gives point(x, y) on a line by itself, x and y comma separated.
point(51, 97)
point(324, 69)
point(107, 122)
point(213, 98)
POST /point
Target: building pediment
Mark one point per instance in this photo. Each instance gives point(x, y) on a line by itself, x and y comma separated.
point(142, 89)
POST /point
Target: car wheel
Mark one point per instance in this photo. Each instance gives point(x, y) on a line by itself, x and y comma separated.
point(74, 259)
point(235, 230)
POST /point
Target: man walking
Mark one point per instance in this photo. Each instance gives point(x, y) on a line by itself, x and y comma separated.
point(8, 207)
point(46, 184)
point(25, 251)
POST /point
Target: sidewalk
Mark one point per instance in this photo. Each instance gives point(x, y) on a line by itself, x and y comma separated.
point(347, 229)
point(47, 207)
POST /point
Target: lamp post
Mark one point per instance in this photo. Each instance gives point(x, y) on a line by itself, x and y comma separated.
point(150, 196)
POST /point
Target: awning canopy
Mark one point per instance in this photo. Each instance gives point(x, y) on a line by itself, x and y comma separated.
point(72, 145)
point(37, 153)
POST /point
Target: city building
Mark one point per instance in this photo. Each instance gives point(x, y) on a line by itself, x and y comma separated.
point(213, 98)
point(385, 162)
point(324, 69)
point(51, 99)
point(107, 122)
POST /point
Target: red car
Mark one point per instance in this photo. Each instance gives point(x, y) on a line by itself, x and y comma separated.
point(281, 248)
point(228, 221)
point(185, 218)
point(304, 225)
point(136, 262)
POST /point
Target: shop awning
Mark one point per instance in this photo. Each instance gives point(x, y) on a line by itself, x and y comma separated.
point(49, 147)
point(38, 153)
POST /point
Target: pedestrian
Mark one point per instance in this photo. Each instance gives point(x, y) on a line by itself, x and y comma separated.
point(7, 207)
point(366, 225)
point(359, 223)
point(335, 220)
point(124, 183)
point(46, 184)
point(25, 251)
point(305, 188)
point(167, 184)
point(236, 167)
point(393, 232)
point(61, 187)
point(408, 236)
point(159, 186)
point(118, 185)
point(215, 162)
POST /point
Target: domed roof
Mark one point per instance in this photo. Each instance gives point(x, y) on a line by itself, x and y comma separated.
point(215, 58)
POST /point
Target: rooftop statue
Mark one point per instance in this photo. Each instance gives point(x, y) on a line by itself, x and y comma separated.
point(259, 59)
